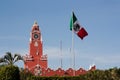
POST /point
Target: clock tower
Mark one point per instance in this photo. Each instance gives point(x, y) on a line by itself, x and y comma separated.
point(35, 61)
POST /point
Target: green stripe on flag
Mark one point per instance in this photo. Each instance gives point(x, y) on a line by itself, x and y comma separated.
point(71, 23)
point(73, 20)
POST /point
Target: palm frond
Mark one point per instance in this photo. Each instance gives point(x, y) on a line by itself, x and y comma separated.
point(2, 60)
point(17, 57)
point(10, 59)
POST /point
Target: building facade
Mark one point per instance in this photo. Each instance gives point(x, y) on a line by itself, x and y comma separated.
point(37, 63)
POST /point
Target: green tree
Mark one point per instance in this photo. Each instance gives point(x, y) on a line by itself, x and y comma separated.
point(9, 72)
point(10, 59)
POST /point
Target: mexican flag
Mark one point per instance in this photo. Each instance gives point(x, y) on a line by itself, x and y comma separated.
point(80, 31)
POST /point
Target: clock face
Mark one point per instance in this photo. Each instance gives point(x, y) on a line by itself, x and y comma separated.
point(35, 36)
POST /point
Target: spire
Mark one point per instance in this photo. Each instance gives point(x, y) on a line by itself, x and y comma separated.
point(35, 23)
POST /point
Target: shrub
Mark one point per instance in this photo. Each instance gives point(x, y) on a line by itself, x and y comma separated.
point(25, 74)
point(9, 72)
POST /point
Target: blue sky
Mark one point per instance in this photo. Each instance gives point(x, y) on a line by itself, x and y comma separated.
point(101, 19)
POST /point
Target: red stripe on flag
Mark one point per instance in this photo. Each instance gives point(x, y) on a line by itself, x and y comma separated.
point(82, 33)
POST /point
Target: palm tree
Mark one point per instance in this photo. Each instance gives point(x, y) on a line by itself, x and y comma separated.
point(10, 59)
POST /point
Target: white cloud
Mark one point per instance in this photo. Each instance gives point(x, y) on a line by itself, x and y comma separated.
point(54, 57)
point(108, 59)
point(55, 53)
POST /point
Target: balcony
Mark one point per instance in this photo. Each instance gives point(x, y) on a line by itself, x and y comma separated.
point(43, 57)
point(28, 58)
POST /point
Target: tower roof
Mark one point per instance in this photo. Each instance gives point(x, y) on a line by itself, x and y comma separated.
point(35, 23)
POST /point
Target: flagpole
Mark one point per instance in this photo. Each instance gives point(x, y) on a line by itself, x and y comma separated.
point(61, 53)
point(73, 48)
point(71, 58)
point(73, 52)
point(81, 32)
